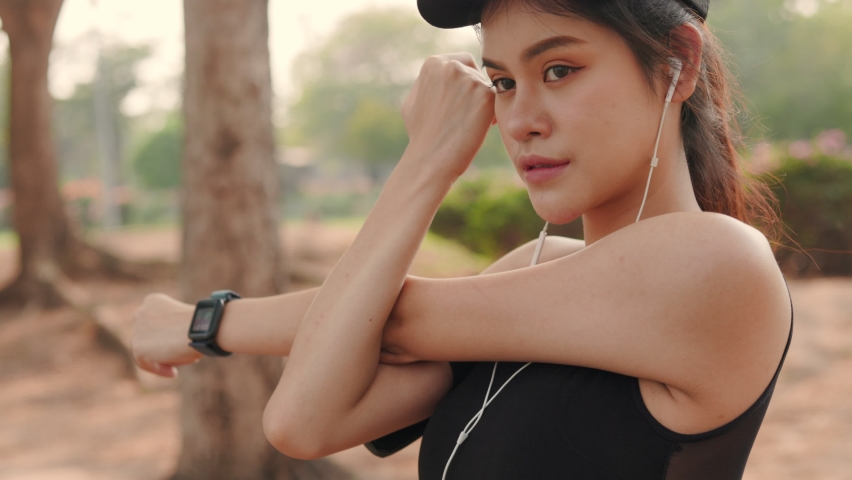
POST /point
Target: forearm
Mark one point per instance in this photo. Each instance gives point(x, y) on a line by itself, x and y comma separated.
point(338, 343)
point(268, 325)
point(264, 326)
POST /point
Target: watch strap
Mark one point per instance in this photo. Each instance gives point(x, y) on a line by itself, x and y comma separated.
point(226, 295)
point(210, 347)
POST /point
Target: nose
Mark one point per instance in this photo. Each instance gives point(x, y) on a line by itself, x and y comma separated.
point(528, 117)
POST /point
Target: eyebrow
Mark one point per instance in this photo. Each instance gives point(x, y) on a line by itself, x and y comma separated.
point(537, 49)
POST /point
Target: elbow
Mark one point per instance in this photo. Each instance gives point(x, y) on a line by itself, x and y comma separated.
point(292, 436)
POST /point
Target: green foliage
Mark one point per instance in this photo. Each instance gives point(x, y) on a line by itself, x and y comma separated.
point(157, 162)
point(352, 85)
point(375, 134)
point(492, 217)
point(815, 197)
point(359, 75)
point(795, 70)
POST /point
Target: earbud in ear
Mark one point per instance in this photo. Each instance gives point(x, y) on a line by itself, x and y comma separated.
point(677, 66)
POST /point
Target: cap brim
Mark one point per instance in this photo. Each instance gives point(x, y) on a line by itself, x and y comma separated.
point(463, 13)
point(451, 13)
point(700, 7)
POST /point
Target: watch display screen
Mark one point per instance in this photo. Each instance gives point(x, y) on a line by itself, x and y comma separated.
point(202, 320)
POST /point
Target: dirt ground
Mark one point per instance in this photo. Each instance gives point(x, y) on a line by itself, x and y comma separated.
point(72, 409)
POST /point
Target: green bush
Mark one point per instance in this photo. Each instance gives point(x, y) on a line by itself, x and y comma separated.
point(491, 217)
point(815, 200)
point(329, 205)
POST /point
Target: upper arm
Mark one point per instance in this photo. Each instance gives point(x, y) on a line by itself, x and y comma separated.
point(665, 299)
point(400, 395)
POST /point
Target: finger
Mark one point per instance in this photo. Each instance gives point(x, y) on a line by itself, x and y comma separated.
point(156, 368)
point(167, 371)
point(462, 57)
point(480, 76)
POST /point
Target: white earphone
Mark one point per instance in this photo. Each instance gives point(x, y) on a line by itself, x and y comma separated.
point(676, 66)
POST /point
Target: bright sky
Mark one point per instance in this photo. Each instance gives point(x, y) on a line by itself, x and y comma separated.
point(294, 25)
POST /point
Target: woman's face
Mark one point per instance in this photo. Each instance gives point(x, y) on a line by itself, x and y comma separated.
point(574, 109)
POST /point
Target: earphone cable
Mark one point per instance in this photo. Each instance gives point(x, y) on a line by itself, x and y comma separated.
point(654, 161)
point(471, 424)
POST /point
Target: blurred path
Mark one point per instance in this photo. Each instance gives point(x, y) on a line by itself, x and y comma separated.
point(807, 433)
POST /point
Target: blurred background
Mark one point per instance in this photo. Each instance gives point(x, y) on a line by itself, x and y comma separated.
point(129, 126)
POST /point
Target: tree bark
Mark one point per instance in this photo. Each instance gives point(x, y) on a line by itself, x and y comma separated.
point(49, 247)
point(230, 237)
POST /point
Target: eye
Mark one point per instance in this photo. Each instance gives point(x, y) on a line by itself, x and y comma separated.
point(558, 71)
point(503, 84)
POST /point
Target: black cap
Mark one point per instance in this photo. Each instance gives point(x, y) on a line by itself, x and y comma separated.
point(462, 13)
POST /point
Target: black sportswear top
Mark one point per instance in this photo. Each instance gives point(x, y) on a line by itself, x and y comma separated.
point(565, 422)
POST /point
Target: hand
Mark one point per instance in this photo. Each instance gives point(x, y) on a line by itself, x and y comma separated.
point(159, 340)
point(448, 111)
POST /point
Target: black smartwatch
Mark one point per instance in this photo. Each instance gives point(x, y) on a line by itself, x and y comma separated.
point(206, 320)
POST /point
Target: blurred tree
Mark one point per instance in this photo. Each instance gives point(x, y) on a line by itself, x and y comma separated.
point(230, 237)
point(793, 63)
point(74, 120)
point(49, 247)
point(353, 83)
point(156, 163)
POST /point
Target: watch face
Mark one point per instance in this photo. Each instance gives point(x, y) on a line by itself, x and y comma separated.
point(202, 319)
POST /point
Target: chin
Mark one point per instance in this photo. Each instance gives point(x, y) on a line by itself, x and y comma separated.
point(555, 212)
point(555, 208)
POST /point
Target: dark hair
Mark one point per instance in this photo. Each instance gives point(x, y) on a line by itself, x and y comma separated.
point(711, 133)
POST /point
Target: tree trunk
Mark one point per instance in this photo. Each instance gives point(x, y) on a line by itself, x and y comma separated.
point(49, 248)
point(230, 237)
point(38, 213)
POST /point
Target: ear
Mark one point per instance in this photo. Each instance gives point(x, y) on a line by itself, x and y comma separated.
point(688, 45)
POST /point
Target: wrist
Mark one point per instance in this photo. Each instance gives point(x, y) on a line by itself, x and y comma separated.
point(435, 167)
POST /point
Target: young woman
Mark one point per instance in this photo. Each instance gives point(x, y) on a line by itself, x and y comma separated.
point(656, 343)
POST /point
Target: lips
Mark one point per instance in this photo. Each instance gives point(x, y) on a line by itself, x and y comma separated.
point(533, 162)
point(541, 169)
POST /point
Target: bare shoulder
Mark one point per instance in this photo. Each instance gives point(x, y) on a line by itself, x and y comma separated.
point(707, 243)
point(739, 322)
point(734, 262)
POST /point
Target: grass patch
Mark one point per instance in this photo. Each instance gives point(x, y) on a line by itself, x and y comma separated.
point(438, 257)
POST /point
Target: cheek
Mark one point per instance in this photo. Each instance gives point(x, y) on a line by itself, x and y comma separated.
point(610, 130)
point(605, 121)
